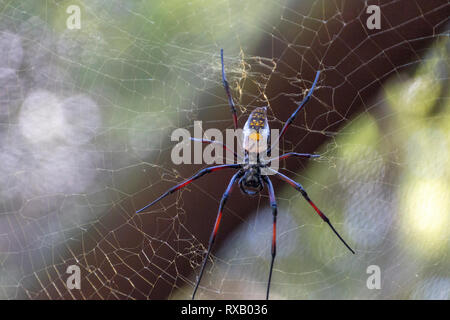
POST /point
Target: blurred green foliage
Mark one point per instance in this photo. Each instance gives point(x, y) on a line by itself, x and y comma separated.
point(388, 167)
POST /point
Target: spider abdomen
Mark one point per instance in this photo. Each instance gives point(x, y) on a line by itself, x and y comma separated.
point(256, 131)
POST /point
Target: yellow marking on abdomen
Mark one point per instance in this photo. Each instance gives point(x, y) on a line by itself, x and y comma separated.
point(255, 136)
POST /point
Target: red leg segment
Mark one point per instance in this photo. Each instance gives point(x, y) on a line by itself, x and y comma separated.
point(216, 227)
point(188, 181)
point(273, 204)
point(299, 188)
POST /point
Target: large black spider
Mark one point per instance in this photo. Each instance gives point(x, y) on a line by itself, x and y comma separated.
point(251, 179)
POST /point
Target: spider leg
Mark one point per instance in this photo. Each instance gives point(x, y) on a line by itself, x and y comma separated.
point(206, 141)
point(292, 117)
point(294, 154)
point(188, 181)
point(299, 188)
point(227, 90)
point(216, 228)
point(273, 204)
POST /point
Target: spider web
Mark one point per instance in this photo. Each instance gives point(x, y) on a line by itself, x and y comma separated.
point(86, 118)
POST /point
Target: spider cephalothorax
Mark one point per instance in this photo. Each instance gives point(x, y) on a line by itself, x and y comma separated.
point(251, 182)
point(251, 179)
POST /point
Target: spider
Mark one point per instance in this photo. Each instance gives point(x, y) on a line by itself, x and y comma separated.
point(249, 176)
